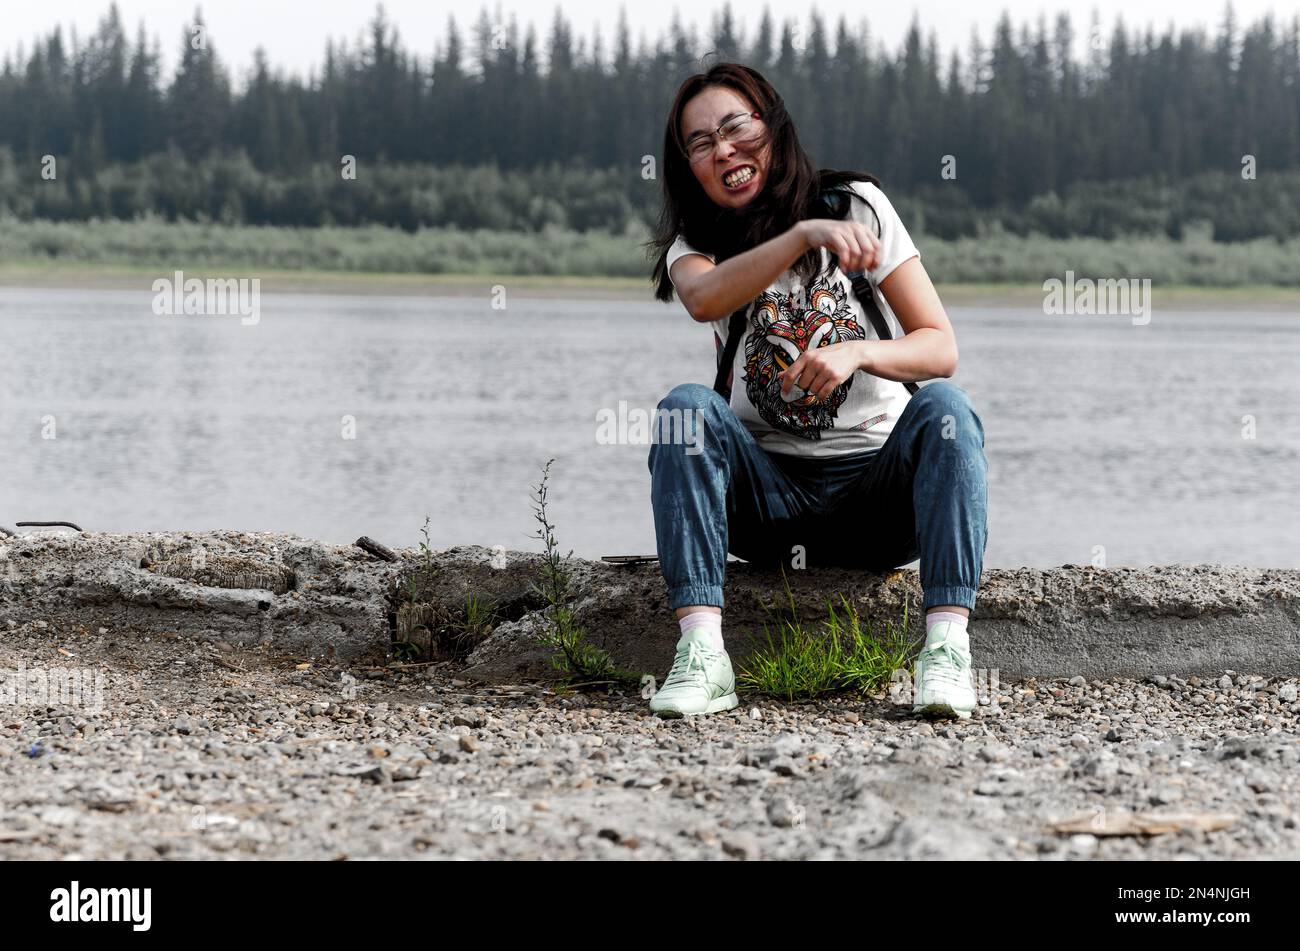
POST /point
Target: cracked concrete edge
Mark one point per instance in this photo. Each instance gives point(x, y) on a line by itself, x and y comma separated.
point(1042, 622)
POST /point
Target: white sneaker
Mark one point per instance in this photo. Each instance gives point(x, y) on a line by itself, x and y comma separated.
point(943, 674)
point(700, 681)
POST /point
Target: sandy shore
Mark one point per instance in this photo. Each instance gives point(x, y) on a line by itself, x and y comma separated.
point(202, 750)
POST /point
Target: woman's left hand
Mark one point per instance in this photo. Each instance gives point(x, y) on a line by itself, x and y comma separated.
point(819, 371)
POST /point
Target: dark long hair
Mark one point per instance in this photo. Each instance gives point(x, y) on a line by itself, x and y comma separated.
point(791, 193)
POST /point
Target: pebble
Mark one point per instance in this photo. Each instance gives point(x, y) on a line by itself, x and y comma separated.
point(741, 845)
point(1083, 844)
point(784, 813)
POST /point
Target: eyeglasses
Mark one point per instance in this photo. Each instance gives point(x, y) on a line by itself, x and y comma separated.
point(739, 128)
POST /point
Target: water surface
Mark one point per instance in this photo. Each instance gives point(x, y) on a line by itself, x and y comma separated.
point(1099, 432)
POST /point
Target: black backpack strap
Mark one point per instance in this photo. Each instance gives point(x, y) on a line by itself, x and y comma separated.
point(861, 284)
point(735, 330)
point(867, 298)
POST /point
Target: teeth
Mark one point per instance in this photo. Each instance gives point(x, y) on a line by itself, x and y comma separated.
point(738, 178)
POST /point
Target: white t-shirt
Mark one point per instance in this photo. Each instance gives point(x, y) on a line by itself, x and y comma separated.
point(861, 411)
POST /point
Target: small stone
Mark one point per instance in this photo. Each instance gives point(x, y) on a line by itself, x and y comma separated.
point(741, 845)
point(1163, 796)
point(784, 766)
point(60, 816)
point(755, 713)
point(1105, 765)
point(706, 836)
point(405, 752)
point(749, 776)
point(468, 743)
point(784, 813)
point(1083, 843)
point(378, 774)
point(1078, 681)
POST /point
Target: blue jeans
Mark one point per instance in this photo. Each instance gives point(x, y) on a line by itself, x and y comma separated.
point(922, 494)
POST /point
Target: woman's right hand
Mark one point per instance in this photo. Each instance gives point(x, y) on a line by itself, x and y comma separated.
point(851, 241)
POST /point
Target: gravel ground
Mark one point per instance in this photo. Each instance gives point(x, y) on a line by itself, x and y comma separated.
point(201, 750)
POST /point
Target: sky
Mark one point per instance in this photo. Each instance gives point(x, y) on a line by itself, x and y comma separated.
point(294, 31)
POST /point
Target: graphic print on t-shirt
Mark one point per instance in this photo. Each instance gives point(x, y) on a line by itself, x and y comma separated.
point(783, 326)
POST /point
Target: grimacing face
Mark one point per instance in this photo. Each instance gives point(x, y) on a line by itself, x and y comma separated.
point(707, 110)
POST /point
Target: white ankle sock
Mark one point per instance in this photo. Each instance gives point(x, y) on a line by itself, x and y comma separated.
point(709, 620)
point(934, 617)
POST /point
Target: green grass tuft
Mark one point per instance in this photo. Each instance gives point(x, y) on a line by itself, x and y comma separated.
point(842, 654)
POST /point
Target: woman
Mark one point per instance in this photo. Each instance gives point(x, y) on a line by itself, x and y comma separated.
point(820, 457)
